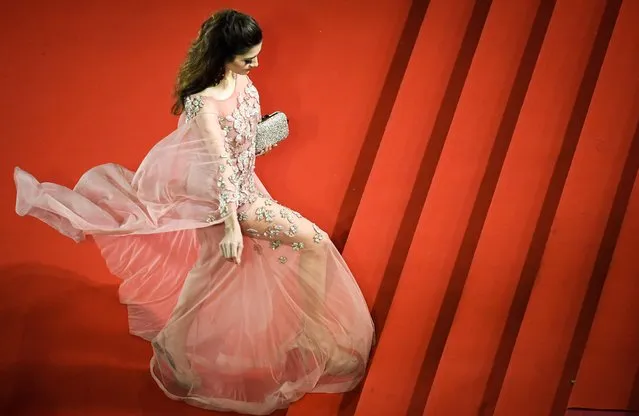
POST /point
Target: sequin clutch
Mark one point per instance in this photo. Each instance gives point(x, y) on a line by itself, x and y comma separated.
point(270, 131)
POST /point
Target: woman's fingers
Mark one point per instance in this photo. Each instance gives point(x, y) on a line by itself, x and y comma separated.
point(238, 255)
point(232, 251)
point(229, 251)
point(225, 250)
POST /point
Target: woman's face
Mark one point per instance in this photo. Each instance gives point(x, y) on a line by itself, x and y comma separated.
point(243, 64)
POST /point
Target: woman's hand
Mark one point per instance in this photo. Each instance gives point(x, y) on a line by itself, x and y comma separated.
point(266, 150)
point(232, 244)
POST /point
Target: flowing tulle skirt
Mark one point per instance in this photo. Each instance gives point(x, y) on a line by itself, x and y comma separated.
point(225, 337)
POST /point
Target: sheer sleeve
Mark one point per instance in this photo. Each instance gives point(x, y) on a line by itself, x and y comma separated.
point(215, 141)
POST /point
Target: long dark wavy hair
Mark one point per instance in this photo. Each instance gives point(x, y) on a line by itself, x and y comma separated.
point(222, 37)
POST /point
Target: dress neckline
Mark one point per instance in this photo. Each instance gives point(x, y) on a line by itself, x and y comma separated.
point(233, 93)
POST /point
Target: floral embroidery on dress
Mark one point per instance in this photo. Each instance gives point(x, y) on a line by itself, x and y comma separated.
point(234, 180)
point(235, 176)
point(319, 235)
point(192, 106)
point(239, 129)
point(275, 230)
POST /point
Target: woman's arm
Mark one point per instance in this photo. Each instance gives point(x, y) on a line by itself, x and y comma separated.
point(219, 153)
point(215, 141)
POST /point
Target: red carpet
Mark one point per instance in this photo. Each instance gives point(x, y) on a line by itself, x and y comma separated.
point(476, 160)
point(590, 412)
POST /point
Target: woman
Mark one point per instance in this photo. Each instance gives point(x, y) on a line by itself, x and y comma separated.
point(247, 304)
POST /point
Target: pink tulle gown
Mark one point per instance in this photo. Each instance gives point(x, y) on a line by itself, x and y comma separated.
point(249, 338)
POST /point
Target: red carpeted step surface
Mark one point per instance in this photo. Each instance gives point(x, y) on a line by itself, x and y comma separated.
point(475, 159)
point(596, 412)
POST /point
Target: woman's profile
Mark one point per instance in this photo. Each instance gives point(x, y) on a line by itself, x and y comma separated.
point(246, 303)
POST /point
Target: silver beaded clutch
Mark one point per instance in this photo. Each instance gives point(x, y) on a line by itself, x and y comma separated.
point(270, 131)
